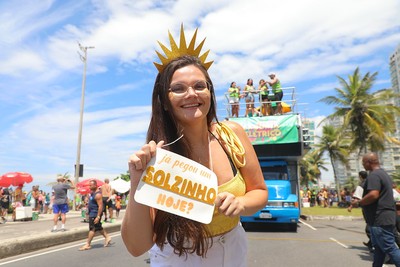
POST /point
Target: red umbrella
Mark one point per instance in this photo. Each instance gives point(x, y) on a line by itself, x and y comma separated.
point(15, 179)
point(83, 186)
point(83, 190)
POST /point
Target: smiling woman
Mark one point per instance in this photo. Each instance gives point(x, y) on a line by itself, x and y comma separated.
point(184, 109)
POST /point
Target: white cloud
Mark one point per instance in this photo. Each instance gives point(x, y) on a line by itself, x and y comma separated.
point(22, 61)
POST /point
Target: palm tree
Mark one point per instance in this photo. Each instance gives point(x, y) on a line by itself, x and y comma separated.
point(66, 175)
point(396, 177)
point(366, 116)
point(125, 176)
point(351, 183)
point(305, 177)
point(333, 143)
point(310, 168)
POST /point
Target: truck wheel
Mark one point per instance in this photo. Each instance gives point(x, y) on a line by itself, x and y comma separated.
point(293, 227)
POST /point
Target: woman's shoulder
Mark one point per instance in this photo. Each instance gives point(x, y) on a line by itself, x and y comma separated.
point(235, 127)
point(231, 124)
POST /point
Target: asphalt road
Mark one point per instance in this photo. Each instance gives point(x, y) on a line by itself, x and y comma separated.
point(316, 243)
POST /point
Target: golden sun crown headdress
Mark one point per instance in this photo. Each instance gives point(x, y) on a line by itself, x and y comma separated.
point(182, 50)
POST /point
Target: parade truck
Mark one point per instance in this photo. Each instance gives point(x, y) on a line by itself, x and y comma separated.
point(279, 145)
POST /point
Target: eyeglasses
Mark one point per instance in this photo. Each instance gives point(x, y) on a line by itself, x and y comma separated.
point(181, 88)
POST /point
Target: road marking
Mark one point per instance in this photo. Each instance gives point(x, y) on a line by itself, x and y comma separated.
point(334, 240)
point(331, 240)
point(56, 250)
point(306, 224)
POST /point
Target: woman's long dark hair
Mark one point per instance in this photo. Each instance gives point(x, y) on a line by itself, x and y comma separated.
point(184, 235)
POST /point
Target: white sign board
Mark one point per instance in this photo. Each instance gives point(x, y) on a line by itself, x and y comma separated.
point(358, 193)
point(178, 185)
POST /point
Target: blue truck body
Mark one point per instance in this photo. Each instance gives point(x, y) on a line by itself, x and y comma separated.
point(278, 154)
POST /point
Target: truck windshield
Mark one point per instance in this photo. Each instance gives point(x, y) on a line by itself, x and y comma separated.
point(274, 176)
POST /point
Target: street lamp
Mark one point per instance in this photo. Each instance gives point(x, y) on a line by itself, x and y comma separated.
point(78, 153)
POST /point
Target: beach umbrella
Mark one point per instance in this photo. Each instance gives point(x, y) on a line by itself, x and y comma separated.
point(83, 186)
point(83, 190)
point(15, 179)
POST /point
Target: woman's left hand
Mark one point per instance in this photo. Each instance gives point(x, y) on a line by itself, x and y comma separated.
point(228, 204)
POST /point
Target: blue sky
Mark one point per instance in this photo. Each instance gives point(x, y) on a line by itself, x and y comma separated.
point(307, 43)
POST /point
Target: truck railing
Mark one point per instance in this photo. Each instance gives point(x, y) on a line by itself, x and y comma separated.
point(289, 98)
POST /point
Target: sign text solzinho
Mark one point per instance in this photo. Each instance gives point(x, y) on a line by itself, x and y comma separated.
point(178, 185)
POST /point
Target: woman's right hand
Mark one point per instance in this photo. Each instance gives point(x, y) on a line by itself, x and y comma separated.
point(138, 161)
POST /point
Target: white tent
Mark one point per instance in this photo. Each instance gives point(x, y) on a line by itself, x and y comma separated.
point(120, 185)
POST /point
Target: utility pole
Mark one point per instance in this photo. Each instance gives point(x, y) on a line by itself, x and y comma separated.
point(78, 153)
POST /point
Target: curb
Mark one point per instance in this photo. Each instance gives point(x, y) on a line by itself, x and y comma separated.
point(331, 218)
point(44, 240)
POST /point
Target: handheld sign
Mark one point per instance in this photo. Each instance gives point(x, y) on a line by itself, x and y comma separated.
point(178, 185)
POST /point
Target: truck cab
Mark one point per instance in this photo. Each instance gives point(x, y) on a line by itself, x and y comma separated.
point(278, 143)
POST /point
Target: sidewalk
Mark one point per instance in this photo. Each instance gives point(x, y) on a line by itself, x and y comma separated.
point(24, 236)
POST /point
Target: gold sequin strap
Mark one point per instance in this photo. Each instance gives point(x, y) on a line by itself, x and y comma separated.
point(233, 144)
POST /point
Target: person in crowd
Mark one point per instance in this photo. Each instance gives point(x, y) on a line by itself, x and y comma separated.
point(46, 203)
point(357, 195)
point(234, 97)
point(106, 192)
point(325, 197)
point(60, 204)
point(379, 210)
point(183, 103)
point(396, 196)
point(30, 198)
point(117, 206)
point(18, 199)
point(249, 91)
point(78, 202)
point(41, 198)
point(112, 205)
point(313, 197)
point(331, 198)
point(95, 210)
point(320, 199)
point(85, 205)
point(265, 105)
point(275, 84)
point(51, 202)
point(4, 203)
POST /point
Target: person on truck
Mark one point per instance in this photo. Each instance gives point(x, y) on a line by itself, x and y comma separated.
point(234, 97)
point(249, 91)
point(275, 84)
point(265, 105)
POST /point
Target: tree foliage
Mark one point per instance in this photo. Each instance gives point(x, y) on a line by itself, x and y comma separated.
point(367, 118)
point(333, 143)
point(310, 168)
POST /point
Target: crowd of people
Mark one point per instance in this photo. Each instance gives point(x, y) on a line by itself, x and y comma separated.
point(269, 94)
point(38, 200)
point(323, 197)
point(57, 202)
point(100, 201)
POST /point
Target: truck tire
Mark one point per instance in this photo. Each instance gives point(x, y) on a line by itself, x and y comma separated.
point(293, 227)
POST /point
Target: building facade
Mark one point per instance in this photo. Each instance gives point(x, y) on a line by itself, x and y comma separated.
point(394, 66)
